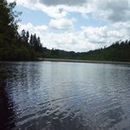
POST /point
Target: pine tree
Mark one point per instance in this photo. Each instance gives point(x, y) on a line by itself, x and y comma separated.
point(31, 40)
point(23, 35)
point(27, 36)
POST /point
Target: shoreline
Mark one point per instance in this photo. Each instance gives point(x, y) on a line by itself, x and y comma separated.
point(71, 60)
point(84, 61)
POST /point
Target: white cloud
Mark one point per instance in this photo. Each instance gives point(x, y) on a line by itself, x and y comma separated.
point(112, 10)
point(69, 40)
point(87, 38)
point(106, 35)
point(62, 23)
point(32, 28)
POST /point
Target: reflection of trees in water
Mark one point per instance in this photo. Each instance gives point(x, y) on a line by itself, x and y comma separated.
point(6, 107)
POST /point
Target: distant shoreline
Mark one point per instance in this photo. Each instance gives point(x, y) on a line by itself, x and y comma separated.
point(71, 60)
point(84, 61)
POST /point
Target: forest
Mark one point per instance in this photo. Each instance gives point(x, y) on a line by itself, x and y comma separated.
point(15, 46)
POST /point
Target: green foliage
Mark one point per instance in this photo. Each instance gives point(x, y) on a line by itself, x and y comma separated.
point(119, 51)
point(12, 45)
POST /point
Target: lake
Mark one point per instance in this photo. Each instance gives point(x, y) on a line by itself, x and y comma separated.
point(65, 96)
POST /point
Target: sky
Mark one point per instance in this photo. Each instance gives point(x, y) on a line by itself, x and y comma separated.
point(76, 25)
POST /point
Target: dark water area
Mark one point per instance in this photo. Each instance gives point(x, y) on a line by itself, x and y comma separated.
point(64, 96)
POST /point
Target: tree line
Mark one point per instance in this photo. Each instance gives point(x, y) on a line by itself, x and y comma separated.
point(31, 40)
point(13, 45)
point(118, 51)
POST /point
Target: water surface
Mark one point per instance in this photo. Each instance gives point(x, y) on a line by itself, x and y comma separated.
point(65, 96)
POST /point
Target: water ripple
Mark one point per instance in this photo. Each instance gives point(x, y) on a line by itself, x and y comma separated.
point(65, 96)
